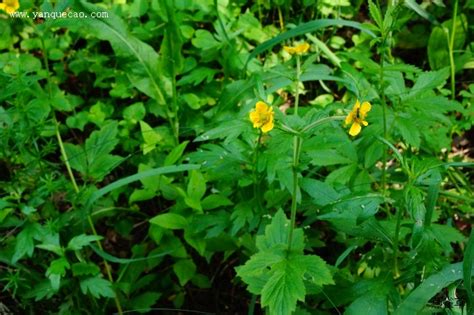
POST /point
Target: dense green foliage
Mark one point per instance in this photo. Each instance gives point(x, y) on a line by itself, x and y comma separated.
point(132, 177)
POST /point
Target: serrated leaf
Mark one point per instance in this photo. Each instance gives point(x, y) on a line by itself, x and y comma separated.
point(375, 14)
point(97, 287)
point(101, 142)
point(56, 270)
point(85, 268)
point(143, 302)
point(80, 241)
point(316, 269)
point(321, 192)
point(409, 131)
point(25, 242)
point(256, 271)
point(428, 81)
point(277, 233)
point(76, 157)
point(284, 288)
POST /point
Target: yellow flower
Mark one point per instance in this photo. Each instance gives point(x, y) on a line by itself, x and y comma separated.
point(357, 117)
point(298, 49)
point(9, 6)
point(262, 117)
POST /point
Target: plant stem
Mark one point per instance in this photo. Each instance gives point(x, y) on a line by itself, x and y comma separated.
point(451, 52)
point(280, 17)
point(255, 173)
point(321, 121)
point(259, 5)
point(69, 169)
point(384, 114)
point(297, 90)
point(296, 157)
point(297, 141)
point(395, 244)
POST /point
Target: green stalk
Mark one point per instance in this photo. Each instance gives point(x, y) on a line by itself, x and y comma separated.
point(451, 50)
point(384, 111)
point(296, 156)
point(297, 90)
point(395, 244)
point(255, 173)
point(280, 17)
point(259, 5)
point(69, 169)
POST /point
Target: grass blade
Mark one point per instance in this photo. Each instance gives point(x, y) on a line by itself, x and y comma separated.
point(416, 300)
point(303, 29)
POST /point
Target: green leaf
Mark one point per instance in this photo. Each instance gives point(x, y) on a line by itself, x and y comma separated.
point(56, 270)
point(324, 157)
point(134, 112)
point(284, 288)
point(203, 39)
point(375, 14)
point(97, 287)
point(215, 201)
point(171, 221)
point(420, 11)
point(185, 270)
point(321, 192)
point(175, 154)
point(80, 241)
point(276, 235)
point(438, 52)
point(94, 159)
point(373, 300)
point(409, 131)
point(196, 185)
point(316, 269)
point(419, 297)
point(85, 268)
point(76, 157)
point(24, 242)
point(256, 271)
point(114, 30)
point(143, 302)
point(150, 136)
point(428, 81)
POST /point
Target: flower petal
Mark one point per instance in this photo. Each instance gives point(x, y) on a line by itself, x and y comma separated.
point(255, 119)
point(289, 49)
point(364, 109)
point(365, 123)
point(268, 126)
point(349, 118)
point(355, 129)
point(302, 48)
point(261, 107)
